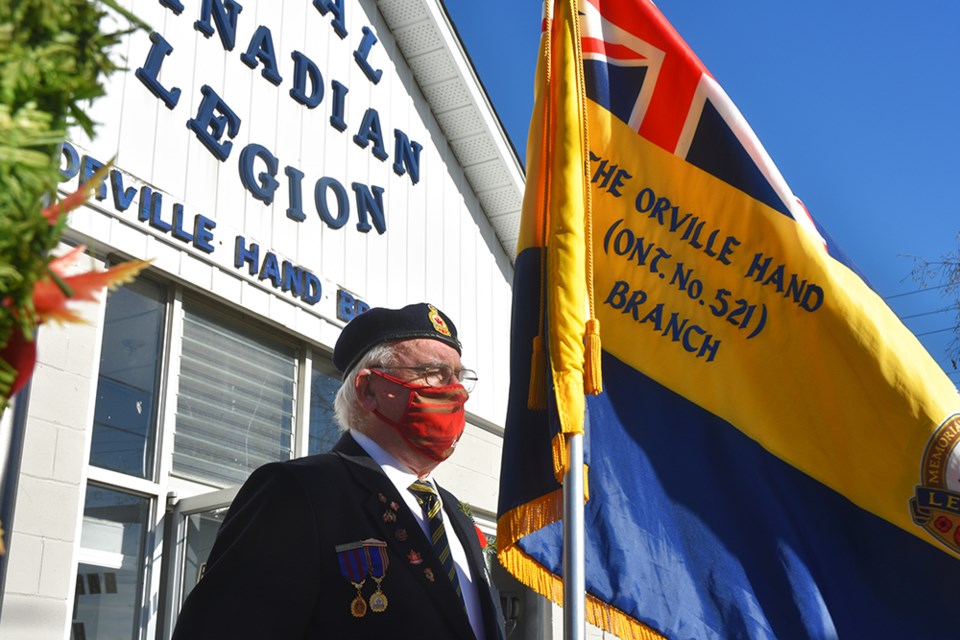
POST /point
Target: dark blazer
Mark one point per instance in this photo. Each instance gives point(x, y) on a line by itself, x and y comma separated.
point(274, 572)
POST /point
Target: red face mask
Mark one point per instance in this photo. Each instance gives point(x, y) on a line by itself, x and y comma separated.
point(433, 420)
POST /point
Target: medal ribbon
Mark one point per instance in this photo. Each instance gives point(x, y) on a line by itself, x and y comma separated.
point(353, 562)
point(377, 560)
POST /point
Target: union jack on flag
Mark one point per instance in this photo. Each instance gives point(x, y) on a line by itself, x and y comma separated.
point(638, 68)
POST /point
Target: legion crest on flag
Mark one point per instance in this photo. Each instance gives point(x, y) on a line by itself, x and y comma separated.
point(936, 505)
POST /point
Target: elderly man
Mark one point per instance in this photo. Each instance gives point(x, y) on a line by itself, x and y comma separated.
point(360, 542)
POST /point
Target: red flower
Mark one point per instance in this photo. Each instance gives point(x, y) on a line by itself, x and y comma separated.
point(55, 211)
point(481, 537)
point(50, 295)
point(21, 354)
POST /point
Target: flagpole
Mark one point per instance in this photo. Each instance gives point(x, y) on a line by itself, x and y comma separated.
point(574, 582)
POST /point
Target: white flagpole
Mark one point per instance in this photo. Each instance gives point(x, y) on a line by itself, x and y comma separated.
point(574, 581)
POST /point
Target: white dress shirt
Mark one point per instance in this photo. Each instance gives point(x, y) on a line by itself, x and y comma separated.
point(402, 478)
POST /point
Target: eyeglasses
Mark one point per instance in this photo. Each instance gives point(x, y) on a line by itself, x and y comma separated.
point(437, 375)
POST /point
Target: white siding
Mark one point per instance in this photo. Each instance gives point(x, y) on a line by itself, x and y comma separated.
point(439, 247)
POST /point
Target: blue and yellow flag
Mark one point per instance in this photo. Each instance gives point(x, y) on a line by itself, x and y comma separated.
point(771, 453)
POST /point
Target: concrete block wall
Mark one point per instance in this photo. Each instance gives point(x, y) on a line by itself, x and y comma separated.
point(42, 561)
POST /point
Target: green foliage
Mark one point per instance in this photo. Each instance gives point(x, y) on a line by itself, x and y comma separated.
point(53, 58)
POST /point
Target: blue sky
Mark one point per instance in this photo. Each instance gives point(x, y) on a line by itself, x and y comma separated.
point(857, 103)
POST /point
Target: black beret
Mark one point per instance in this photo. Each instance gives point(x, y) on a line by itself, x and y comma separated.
point(379, 325)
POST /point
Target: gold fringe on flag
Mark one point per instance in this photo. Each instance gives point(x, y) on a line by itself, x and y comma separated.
point(535, 515)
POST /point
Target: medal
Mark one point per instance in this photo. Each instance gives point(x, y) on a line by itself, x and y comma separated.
point(353, 566)
point(377, 561)
point(358, 607)
point(378, 601)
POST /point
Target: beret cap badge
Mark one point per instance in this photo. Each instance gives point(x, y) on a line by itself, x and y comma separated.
point(438, 322)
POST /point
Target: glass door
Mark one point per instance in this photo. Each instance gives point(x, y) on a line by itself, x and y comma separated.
point(191, 525)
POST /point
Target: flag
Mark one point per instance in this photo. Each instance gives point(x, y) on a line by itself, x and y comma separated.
point(770, 453)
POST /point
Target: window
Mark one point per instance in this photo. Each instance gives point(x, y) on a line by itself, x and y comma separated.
point(199, 536)
point(125, 416)
point(235, 402)
point(111, 573)
point(231, 388)
point(324, 382)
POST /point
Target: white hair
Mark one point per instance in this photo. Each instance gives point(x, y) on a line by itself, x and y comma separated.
point(347, 411)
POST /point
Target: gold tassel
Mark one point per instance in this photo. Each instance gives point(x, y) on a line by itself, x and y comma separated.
point(560, 456)
point(592, 375)
point(537, 395)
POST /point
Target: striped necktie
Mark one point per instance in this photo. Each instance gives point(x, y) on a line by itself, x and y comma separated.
point(430, 503)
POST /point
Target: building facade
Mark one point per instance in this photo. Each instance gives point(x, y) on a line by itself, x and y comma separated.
point(285, 165)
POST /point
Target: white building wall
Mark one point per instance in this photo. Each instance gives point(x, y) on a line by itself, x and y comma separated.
point(439, 246)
